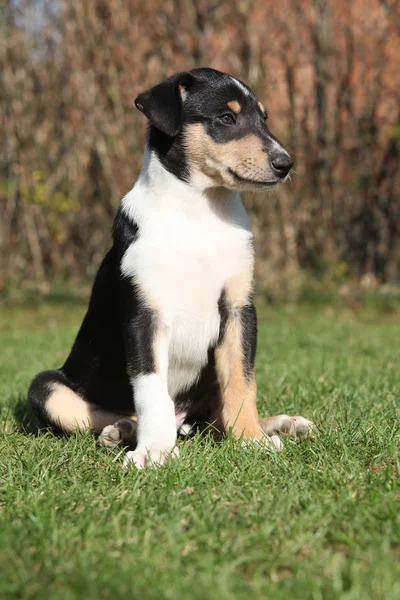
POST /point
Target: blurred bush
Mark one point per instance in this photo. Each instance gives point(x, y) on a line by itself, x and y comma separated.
point(72, 141)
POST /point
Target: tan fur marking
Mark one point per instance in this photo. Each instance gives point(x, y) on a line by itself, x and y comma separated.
point(239, 288)
point(238, 410)
point(70, 412)
point(235, 106)
point(260, 106)
point(244, 156)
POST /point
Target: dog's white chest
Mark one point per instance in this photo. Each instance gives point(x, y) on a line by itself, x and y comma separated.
point(181, 262)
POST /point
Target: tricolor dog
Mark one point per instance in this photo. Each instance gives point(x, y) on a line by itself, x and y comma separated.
point(169, 339)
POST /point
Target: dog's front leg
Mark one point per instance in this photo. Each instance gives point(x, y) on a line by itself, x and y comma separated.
point(234, 360)
point(146, 343)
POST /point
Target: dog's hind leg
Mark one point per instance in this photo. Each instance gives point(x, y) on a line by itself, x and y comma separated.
point(58, 405)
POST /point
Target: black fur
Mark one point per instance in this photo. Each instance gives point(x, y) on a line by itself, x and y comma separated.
point(170, 151)
point(248, 318)
point(162, 104)
point(114, 342)
point(224, 309)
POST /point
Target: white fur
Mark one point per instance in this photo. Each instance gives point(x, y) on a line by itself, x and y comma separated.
point(191, 242)
point(240, 85)
point(156, 430)
point(155, 411)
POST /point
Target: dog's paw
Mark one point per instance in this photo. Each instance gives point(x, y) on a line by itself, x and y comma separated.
point(292, 426)
point(268, 443)
point(110, 436)
point(123, 433)
point(142, 457)
point(276, 441)
point(300, 426)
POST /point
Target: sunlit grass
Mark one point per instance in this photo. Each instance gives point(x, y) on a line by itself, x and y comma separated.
point(320, 520)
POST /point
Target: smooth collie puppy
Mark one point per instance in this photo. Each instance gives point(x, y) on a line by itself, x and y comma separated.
point(169, 338)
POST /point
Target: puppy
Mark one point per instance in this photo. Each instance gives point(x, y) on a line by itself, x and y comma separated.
point(169, 338)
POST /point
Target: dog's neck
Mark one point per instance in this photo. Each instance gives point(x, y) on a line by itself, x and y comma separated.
point(157, 191)
point(157, 178)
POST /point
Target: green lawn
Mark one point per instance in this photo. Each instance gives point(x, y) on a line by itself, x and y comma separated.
point(321, 520)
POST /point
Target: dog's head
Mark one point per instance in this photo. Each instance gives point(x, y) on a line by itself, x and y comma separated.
point(207, 126)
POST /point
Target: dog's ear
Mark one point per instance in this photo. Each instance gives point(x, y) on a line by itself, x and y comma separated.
point(162, 104)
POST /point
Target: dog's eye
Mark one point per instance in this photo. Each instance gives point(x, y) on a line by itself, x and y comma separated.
point(265, 116)
point(227, 119)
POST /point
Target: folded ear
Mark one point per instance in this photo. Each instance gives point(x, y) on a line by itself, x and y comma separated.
point(162, 104)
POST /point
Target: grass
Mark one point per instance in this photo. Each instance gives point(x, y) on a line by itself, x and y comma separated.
point(319, 521)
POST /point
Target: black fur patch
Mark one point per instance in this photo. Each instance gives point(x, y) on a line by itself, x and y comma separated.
point(248, 317)
point(139, 326)
point(223, 308)
point(248, 321)
point(97, 362)
point(162, 104)
point(170, 151)
point(115, 342)
point(200, 400)
point(115, 339)
point(124, 232)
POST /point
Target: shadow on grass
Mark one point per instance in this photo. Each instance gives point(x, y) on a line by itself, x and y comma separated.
point(27, 421)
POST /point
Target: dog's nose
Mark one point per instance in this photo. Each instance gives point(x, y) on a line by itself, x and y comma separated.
point(282, 163)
